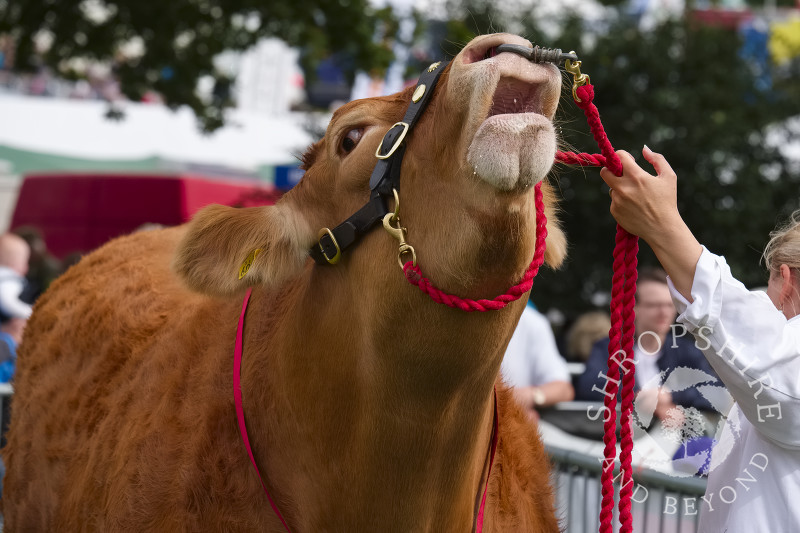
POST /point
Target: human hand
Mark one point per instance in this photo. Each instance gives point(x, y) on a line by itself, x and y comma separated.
point(655, 400)
point(644, 204)
point(529, 397)
point(666, 408)
point(647, 206)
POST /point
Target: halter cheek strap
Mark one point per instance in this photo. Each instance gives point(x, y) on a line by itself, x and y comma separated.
point(385, 176)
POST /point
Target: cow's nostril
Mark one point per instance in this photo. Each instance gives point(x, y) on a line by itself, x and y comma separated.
point(490, 53)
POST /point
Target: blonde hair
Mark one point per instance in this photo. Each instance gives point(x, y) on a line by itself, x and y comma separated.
point(588, 329)
point(783, 247)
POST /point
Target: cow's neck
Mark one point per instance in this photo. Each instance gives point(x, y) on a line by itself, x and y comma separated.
point(386, 401)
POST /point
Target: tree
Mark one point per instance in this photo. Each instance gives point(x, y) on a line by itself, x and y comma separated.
point(686, 91)
point(168, 46)
point(683, 90)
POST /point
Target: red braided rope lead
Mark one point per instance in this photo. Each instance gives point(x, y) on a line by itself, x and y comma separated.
point(620, 348)
point(415, 277)
point(631, 246)
point(610, 392)
point(583, 159)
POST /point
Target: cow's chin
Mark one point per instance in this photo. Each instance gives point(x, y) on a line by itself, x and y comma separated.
point(513, 152)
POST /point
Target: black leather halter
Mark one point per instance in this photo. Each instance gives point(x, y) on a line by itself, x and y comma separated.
point(385, 177)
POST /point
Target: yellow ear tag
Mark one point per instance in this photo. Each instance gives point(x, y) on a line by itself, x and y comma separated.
point(248, 262)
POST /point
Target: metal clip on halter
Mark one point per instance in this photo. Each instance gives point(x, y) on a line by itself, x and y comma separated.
point(538, 54)
point(578, 79)
point(399, 232)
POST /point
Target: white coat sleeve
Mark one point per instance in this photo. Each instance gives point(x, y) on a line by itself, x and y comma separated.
point(750, 344)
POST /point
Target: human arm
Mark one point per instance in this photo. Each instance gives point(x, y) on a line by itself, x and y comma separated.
point(646, 205)
point(751, 346)
point(533, 364)
point(545, 395)
point(10, 304)
point(747, 341)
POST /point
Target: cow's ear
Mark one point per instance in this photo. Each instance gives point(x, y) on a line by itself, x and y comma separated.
point(226, 249)
point(556, 241)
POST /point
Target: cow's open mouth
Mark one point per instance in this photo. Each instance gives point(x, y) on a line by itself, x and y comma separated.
point(515, 96)
point(519, 89)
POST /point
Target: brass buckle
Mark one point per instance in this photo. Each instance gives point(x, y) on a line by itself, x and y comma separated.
point(396, 143)
point(331, 260)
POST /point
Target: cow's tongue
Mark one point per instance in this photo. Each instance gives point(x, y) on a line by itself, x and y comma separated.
point(515, 96)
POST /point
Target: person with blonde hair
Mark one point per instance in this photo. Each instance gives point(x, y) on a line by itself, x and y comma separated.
point(589, 328)
point(751, 339)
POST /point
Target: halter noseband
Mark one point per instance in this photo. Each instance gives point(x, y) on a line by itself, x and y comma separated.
point(385, 177)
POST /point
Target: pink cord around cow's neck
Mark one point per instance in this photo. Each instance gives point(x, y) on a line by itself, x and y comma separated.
point(237, 400)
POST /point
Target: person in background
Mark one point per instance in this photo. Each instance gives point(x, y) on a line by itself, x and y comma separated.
point(14, 256)
point(751, 339)
point(589, 328)
point(11, 329)
point(533, 366)
point(14, 313)
point(43, 267)
point(658, 351)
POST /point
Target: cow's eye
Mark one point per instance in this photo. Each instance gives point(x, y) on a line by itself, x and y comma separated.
point(350, 140)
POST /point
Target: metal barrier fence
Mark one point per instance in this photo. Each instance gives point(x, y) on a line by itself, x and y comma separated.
point(661, 503)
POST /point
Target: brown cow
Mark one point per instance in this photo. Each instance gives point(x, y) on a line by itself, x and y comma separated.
point(369, 406)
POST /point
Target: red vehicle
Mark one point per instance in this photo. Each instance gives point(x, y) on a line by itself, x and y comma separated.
point(78, 212)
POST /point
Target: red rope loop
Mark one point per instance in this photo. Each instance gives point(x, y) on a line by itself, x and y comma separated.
point(621, 369)
point(586, 94)
point(414, 274)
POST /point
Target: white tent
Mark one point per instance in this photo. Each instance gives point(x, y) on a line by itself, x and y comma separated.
point(79, 128)
point(52, 134)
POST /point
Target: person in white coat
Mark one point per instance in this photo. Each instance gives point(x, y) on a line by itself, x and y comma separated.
point(533, 365)
point(751, 339)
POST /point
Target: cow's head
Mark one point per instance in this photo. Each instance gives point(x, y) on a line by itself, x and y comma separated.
point(466, 189)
